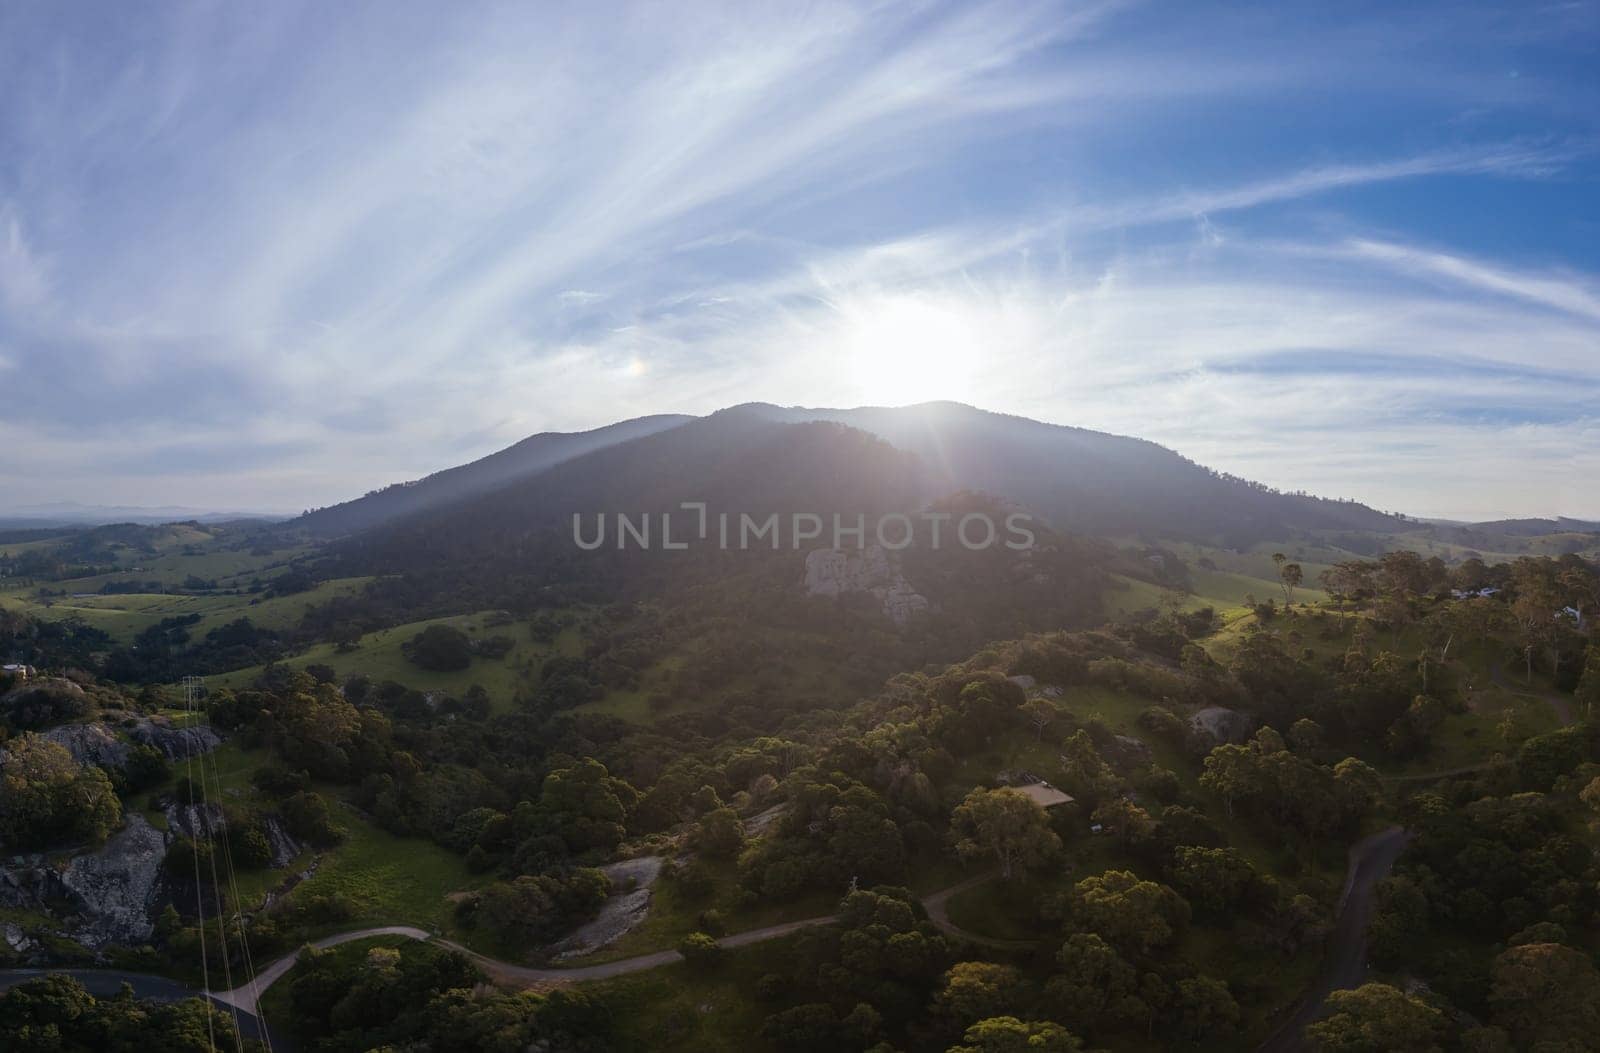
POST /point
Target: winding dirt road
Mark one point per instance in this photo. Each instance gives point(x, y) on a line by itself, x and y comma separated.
point(247, 997)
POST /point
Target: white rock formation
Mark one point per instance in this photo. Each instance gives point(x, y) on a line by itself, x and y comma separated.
point(839, 572)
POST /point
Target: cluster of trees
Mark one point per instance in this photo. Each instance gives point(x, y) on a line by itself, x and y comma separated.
point(1293, 796)
point(55, 1013)
point(1492, 900)
point(417, 996)
point(47, 797)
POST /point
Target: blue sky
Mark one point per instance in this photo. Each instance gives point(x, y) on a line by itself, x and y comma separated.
point(271, 256)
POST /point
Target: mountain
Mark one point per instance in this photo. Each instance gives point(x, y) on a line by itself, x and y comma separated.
point(754, 457)
point(527, 458)
point(1090, 482)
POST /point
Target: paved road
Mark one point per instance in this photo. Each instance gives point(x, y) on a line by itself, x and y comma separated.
point(1345, 964)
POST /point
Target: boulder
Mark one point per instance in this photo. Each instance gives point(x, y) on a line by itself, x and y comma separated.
point(175, 743)
point(1220, 724)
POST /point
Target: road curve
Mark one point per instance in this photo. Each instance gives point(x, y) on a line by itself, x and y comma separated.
point(246, 998)
point(937, 906)
point(1345, 962)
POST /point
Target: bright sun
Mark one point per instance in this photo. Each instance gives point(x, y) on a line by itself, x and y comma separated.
point(906, 349)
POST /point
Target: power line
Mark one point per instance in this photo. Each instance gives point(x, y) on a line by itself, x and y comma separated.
point(189, 688)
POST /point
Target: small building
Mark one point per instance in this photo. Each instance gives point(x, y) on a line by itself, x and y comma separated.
point(16, 669)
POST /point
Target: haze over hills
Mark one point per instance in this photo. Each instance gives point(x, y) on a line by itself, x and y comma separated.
point(74, 514)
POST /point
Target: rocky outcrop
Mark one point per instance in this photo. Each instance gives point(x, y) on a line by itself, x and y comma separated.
point(840, 572)
point(90, 744)
point(175, 743)
point(1220, 724)
point(114, 889)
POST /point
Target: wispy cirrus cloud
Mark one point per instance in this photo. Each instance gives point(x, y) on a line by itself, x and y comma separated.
point(340, 246)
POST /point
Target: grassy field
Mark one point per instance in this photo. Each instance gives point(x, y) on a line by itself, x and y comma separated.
point(379, 655)
point(124, 615)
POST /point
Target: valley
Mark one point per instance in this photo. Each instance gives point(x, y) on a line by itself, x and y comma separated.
point(457, 737)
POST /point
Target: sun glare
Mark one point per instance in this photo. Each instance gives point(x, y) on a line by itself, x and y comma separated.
point(907, 349)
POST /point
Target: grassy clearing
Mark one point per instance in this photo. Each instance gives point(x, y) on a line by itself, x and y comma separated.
point(675, 1009)
point(389, 879)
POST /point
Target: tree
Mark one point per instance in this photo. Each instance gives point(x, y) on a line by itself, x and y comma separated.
point(585, 806)
point(975, 990)
point(1231, 773)
point(1216, 880)
point(1125, 820)
point(1590, 795)
point(1131, 914)
point(1007, 1034)
point(1377, 1018)
point(1206, 1009)
point(700, 950)
point(1039, 713)
point(1546, 993)
point(442, 648)
point(1289, 574)
point(815, 1027)
point(719, 834)
point(1093, 979)
point(1587, 694)
point(1006, 825)
point(1306, 735)
point(46, 796)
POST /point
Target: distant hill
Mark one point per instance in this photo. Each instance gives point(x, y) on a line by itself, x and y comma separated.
point(454, 485)
point(73, 514)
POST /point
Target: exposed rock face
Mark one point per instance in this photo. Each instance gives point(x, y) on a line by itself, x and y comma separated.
point(621, 912)
point(90, 744)
point(195, 821)
point(176, 743)
point(285, 849)
point(115, 887)
point(837, 572)
point(19, 941)
point(1221, 724)
point(207, 820)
